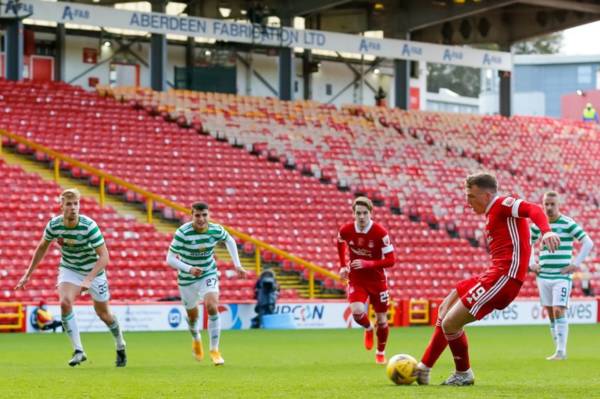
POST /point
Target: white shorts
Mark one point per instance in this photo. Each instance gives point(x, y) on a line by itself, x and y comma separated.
point(98, 290)
point(191, 294)
point(554, 292)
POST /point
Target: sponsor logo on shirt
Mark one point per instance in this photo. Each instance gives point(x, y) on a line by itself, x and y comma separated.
point(371, 244)
point(200, 253)
point(508, 201)
point(66, 242)
point(361, 252)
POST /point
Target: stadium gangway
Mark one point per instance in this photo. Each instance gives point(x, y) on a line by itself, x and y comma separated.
point(150, 197)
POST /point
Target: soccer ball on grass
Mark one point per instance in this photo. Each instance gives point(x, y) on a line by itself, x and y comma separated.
point(400, 369)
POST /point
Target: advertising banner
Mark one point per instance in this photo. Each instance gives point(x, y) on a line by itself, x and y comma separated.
point(530, 312)
point(155, 317)
point(306, 315)
point(242, 32)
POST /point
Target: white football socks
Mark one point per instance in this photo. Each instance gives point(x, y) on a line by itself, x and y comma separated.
point(70, 327)
point(116, 331)
point(214, 330)
point(553, 332)
point(194, 329)
point(562, 333)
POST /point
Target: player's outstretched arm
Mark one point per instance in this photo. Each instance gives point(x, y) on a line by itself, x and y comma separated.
point(233, 253)
point(38, 255)
point(524, 209)
point(101, 263)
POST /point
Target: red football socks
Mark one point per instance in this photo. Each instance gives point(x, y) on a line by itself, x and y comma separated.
point(460, 350)
point(436, 346)
point(382, 335)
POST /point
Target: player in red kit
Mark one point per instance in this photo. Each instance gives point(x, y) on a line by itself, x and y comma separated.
point(507, 234)
point(370, 253)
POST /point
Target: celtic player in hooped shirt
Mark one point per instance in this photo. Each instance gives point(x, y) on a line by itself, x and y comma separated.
point(84, 257)
point(192, 254)
point(370, 252)
point(507, 234)
point(554, 270)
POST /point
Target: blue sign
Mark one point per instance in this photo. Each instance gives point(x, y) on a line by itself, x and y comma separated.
point(236, 322)
point(33, 319)
point(174, 317)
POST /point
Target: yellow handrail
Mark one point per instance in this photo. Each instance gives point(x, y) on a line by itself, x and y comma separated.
point(17, 316)
point(151, 198)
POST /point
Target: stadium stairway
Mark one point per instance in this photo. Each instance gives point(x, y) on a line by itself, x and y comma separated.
point(292, 282)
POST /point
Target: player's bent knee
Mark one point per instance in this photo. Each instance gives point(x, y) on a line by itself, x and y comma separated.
point(212, 309)
point(357, 308)
point(358, 316)
point(66, 305)
point(448, 326)
point(558, 312)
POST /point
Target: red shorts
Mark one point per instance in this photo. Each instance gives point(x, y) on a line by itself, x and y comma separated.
point(376, 291)
point(482, 294)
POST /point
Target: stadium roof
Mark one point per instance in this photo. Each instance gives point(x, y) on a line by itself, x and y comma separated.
point(436, 21)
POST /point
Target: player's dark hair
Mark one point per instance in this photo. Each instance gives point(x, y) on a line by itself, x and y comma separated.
point(364, 201)
point(485, 181)
point(551, 194)
point(199, 206)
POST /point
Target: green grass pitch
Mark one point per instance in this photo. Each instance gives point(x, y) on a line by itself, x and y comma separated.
point(508, 363)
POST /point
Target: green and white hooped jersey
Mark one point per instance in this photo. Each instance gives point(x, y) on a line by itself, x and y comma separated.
point(77, 244)
point(551, 263)
point(197, 249)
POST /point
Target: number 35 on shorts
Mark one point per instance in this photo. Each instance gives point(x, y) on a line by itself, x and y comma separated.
point(475, 293)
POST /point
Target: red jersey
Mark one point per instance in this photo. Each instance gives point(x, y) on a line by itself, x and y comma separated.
point(507, 235)
point(373, 243)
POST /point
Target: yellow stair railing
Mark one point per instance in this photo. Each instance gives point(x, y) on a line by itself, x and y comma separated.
point(13, 314)
point(151, 198)
point(418, 311)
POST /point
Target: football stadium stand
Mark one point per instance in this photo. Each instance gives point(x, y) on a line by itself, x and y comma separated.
point(286, 172)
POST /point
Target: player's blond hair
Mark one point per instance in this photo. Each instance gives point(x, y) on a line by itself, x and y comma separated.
point(486, 181)
point(364, 201)
point(70, 193)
